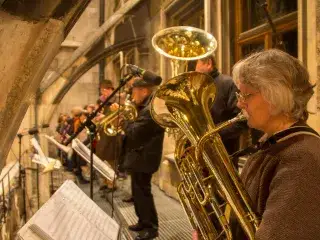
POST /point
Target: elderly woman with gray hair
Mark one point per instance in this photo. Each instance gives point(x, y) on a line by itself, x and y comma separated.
point(283, 177)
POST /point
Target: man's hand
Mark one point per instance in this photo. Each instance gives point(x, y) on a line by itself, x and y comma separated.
point(114, 107)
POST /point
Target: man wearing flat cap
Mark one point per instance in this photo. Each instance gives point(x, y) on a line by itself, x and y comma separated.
point(141, 156)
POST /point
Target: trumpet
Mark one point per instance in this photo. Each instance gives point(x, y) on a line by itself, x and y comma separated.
point(128, 111)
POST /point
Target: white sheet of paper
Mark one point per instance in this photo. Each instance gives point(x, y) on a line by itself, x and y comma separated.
point(98, 164)
point(62, 147)
point(39, 160)
point(36, 145)
point(70, 214)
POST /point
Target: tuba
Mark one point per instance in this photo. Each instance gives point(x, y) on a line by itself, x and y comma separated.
point(210, 188)
point(128, 111)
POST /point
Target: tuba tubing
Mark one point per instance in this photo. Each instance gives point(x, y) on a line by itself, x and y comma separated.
point(208, 176)
point(206, 170)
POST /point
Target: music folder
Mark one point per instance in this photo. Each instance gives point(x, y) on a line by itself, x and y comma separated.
point(62, 147)
point(70, 214)
point(49, 164)
point(101, 166)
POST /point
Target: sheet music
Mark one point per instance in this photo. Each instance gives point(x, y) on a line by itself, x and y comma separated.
point(88, 208)
point(70, 214)
point(36, 145)
point(98, 164)
point(62, 147)
point(39, 160)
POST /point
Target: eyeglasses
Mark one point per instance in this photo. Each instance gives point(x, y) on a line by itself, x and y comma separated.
point(241, 97)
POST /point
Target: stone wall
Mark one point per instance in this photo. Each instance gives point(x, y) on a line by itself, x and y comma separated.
point(167, 178)
point(30, 36)
point(85, 91)
point(318, 53)
point(310, 12)
point(33, 46)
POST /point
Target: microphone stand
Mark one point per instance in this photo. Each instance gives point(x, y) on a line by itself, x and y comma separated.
point(92, 127)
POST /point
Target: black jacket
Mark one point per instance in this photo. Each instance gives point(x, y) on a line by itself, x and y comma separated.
point(225, 108)
point(143, 141)
point(108, 147)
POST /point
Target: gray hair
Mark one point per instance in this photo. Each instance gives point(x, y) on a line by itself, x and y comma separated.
point(282, 80)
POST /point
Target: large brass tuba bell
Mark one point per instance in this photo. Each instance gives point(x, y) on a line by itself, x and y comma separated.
point(210, 184)
point(183, 43)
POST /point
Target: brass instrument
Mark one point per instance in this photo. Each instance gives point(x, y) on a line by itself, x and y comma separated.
point(182, 44)
point(210, 184)
point(128, 111)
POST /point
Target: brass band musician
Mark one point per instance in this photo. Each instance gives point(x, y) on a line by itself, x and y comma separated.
point(141, 156)
point(107, 146)
point(225, 103)
point(282, 178)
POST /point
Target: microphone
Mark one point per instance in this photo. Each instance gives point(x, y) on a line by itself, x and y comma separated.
point(148, 76)
point(33, 130)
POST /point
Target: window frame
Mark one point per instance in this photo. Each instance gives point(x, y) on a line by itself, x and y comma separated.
point(260, 33)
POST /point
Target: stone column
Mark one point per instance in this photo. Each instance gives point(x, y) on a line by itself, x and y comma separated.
point(207, 15)
point(316, 124)
point(27, 49)
point(216, 30)
point(308, 33)
point(167, 177)
point(220, 28)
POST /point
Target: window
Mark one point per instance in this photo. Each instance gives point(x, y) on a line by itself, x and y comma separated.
point(281, 7)
point(252, 16)
point(128, 59)
point(253, 32)
point(252, 47)
point(186, 13)
point(290, 41)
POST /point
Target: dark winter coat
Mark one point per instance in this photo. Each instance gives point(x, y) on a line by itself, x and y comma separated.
point(225, 108)
point(143, 141)
point(108, 147)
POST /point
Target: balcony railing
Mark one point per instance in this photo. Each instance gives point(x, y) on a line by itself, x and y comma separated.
point(8, 181)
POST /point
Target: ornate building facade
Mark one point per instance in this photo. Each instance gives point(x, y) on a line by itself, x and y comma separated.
point(240, 27)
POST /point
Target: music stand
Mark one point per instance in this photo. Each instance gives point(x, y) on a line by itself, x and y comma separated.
point(92, 127)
